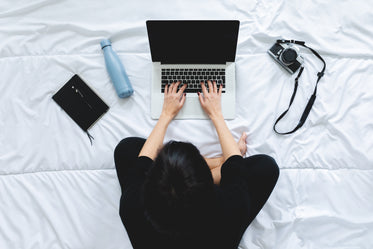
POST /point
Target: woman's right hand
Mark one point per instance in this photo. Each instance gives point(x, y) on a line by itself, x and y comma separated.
point(173, 99)
point(211, 99)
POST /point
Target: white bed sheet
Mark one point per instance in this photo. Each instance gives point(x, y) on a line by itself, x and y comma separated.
point(58, 191)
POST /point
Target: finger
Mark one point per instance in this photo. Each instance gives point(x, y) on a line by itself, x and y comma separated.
point(220, 89)
point(166, 89)
point(170, 89)
point(182, 89)
point(175, 87)
point(201, 100)
point(183, 100)
point(210, 86)
point(204, 90)
point(215, 88)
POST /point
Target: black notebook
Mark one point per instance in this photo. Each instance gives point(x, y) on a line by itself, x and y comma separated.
point(80, 102)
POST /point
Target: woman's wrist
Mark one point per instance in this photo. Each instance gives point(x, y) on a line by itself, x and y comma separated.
point(166, 117)
point(216, 117)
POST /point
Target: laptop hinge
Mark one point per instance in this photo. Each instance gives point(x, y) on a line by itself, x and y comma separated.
point(181, 63)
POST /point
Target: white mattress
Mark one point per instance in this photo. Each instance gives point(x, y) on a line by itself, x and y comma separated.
point(58, 191)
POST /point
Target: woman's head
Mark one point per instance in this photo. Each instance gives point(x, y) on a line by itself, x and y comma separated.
point(178, 192)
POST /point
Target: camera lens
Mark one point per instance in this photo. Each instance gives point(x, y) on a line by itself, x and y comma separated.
point(288, 56)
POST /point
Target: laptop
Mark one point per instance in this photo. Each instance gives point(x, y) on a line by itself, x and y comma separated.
point(191, 52)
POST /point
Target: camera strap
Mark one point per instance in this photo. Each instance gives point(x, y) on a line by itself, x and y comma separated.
point(309, 105)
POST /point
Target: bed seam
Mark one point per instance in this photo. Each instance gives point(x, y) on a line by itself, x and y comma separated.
point(54, 171)
point(88, 170)
point(142, 53)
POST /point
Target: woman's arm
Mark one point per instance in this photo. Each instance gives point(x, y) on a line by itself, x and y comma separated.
point(155, 139)
point(173, 102)
point(211, 103)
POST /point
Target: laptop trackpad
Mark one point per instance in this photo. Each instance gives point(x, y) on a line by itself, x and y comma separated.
point(192, 109)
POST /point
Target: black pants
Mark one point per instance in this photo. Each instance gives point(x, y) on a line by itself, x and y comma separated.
point(263, 169)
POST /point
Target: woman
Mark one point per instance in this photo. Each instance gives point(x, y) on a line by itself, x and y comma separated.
point(172, 197)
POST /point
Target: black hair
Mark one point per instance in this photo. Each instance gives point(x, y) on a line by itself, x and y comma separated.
point(179, 190)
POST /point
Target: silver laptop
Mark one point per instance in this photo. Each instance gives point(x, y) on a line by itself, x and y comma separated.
point(193, 52)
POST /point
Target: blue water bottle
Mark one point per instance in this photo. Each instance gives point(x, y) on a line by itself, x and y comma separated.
point(116, 70)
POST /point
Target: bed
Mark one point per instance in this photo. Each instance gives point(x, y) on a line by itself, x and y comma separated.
point(58, 191)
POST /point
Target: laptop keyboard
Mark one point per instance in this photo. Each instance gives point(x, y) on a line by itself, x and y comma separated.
point(193, 78)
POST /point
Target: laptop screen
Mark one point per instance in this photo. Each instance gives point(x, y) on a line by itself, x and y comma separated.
point(193, 42)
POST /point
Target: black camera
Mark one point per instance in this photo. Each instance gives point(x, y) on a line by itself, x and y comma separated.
point(287, 56)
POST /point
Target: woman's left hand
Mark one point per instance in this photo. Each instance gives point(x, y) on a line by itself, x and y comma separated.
point(173, 99)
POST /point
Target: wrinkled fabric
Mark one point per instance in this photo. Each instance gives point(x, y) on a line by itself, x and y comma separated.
point(58, 191)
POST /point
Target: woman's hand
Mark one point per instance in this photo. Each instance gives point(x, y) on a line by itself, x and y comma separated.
point(211, 99)
point(173, 100)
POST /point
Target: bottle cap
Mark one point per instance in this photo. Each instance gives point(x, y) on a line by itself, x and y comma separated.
point(105, 42)
point(126, 93)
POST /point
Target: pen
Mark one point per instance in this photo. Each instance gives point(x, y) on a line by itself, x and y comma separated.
point(82, 96)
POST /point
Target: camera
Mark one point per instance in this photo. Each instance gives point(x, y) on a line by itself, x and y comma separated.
point(287, 56)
